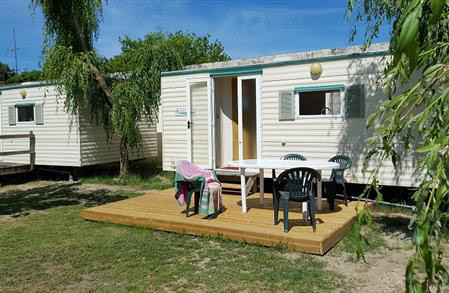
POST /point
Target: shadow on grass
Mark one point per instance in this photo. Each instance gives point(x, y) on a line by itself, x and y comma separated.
point(143, 174)
point(20, 202)
point(395, 224)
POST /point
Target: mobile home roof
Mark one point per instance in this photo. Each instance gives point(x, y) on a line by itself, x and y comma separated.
point(257, 64)
point(22, 85)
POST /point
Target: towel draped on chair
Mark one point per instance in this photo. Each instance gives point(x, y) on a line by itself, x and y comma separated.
point(189, 175)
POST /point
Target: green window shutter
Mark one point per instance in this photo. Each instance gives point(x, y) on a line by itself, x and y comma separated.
point(286, 105)
point(355, 101)
point(39, 113)
point(12, 115)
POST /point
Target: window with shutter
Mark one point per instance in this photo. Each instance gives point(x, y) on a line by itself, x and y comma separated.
point(355, 101)
point(320, 102)
point(25, 113)
point(286, 105)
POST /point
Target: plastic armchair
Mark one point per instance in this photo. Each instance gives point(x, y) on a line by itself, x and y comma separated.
point(298, 185)
point(293, 157)
point(337, 177)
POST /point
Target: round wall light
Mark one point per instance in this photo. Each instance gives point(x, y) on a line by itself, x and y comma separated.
point(23, 93)
point(316, 69)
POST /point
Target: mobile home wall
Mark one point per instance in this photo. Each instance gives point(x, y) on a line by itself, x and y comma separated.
point(314, 137)
point(64, 139)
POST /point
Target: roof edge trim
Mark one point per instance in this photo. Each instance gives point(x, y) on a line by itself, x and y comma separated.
point(217, 71)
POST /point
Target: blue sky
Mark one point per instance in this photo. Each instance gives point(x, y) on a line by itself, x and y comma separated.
point(246, 28)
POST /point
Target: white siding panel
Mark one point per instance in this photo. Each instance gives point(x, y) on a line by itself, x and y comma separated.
point(95, 149)
point(174, 128)
point(57, 140)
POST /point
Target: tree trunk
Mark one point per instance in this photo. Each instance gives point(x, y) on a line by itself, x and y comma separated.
point(101, 82)
point(124, 160)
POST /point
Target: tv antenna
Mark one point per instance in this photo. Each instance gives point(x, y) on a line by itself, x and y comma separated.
point(15, 49)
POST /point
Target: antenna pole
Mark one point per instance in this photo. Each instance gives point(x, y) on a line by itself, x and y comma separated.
point(15, 49)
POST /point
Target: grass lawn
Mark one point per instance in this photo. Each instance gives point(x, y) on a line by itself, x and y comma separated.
point(46, 246)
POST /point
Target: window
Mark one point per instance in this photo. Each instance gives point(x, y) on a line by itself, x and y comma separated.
point(25, 113)
point(325, 102)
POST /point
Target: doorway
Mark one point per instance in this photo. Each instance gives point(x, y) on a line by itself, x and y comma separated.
point(248, 122)
point(236, 108)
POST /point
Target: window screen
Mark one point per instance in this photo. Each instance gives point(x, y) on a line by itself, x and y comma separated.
point(25, 113)
point(319, 103)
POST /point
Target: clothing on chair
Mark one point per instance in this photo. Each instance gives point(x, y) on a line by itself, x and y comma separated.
point(189, 175)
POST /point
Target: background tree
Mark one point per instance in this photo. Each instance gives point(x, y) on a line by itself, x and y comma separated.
point(118, 92)
point(5, 73)
point(419, 47)
point(34, 75)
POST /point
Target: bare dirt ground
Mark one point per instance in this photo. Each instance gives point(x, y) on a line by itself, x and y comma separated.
point(383, 269)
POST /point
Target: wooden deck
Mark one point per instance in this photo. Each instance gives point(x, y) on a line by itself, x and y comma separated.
point(159, 210)
point(14, 168)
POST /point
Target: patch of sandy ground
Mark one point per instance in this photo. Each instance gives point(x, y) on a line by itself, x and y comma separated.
point(384, 268)
point(383, 271)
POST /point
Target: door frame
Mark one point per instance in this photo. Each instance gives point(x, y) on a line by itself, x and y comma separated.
point(258, 114)
point(210, 128)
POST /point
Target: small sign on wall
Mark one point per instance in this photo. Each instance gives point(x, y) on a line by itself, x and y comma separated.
point(181, 112)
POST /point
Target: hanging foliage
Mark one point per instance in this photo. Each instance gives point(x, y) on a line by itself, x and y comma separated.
point(122, 92)
point(419, 47)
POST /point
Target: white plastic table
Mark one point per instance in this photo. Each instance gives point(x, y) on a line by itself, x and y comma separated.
point(318, 165)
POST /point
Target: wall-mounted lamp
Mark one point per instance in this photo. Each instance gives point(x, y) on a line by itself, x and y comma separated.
point(23, 93)
point(315, 70)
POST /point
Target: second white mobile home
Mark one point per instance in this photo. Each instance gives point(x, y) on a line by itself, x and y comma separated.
point(62, 139)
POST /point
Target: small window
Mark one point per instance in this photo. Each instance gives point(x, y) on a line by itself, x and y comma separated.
point(25, 113)
point(319, 103)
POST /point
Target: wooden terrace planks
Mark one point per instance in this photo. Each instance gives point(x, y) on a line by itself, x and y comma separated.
point(159, 210)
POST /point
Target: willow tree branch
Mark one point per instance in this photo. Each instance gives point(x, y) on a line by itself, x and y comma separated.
point(101, 82)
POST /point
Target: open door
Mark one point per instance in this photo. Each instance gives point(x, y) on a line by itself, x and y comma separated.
point(199, 122)
point(249, 126)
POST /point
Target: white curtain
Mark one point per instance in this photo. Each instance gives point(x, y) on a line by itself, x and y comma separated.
point(333, 103)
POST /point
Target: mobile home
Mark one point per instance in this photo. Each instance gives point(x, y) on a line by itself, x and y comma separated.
point(62, 139)
point(313, 103)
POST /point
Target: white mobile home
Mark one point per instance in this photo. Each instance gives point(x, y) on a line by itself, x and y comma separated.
point(270, 106)
point(62, 139)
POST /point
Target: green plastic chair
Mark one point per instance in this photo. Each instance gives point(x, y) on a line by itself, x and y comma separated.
point(298, 185)
point(295, 157)
point(337, 175)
